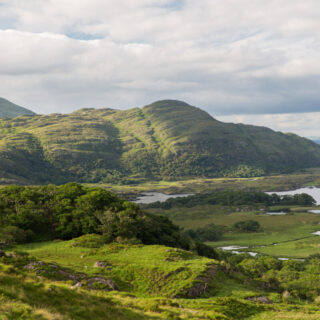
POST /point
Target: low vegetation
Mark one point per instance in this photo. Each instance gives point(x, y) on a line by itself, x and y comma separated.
point(248, 226)
point(287, 233)
point(235, 198)
point(110, 282)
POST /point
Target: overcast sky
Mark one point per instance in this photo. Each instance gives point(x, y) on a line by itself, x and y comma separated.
point(251, 61)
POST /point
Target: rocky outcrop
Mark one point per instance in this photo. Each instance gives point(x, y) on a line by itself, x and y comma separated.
point(102, 264)
point(54, 272)
point(97, 283)
point(260, 299)
point(201, 284)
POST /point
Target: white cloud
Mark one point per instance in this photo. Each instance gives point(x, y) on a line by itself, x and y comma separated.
point(304, 124)
point(229, 57)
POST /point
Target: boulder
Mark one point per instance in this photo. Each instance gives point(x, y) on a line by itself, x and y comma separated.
point(261, 299)
point(76, 286)
point(100, 264)
point(101, 283)
point(34, 265)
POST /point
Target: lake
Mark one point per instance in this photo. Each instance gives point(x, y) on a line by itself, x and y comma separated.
point(312, 191)
point(149, 197)
point(276, 213)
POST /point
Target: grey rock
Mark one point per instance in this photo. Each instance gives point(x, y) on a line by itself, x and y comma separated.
point(261, 299)
point(33, 265)
point(102, 283)
point(100, 264)
point(76, 286)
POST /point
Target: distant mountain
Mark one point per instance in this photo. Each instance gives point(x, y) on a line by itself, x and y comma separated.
point(11, 110)
point(165, 140)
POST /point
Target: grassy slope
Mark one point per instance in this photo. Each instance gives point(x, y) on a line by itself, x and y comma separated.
point(106, 145)
point(11, 110)
point(145, 276)
point(138, 270)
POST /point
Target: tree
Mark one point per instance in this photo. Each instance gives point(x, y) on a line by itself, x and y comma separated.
point(248, 225)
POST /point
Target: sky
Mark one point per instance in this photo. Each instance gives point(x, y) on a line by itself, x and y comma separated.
point(249, 61)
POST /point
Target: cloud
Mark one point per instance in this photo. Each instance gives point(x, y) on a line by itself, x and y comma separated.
point(304, 124)
point(228, 57)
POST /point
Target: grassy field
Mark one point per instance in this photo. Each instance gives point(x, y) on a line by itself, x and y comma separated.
point(308, 177)
point(292, 232)
point(147, 278)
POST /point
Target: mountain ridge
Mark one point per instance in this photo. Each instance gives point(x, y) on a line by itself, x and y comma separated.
point(12, 110)
point(168, 139)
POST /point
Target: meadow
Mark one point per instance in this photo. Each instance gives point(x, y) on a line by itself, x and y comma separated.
point(306, 177)
point(151, 287)
point(288, 235)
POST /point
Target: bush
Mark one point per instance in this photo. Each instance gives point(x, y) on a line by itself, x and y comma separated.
point(89, 241)
point(210, 232)
point(248, 225)
point(13, 235)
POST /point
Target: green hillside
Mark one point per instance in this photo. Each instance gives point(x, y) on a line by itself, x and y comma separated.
point(11, 110)
point(75, 252)
point(165, 140)
point(58, 280)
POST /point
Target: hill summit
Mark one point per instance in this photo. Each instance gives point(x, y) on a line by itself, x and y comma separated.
point(11, 110)
point(167, 139)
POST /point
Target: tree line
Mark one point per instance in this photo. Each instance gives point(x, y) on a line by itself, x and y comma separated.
point(35, 213)
point(235, 198)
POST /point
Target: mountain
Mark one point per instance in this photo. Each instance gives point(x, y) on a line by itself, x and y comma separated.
point(167, 139)
point(11, 110)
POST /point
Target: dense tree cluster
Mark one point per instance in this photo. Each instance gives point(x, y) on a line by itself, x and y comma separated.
point(248, 225)
point(235, 198)
point(299, 279)
point(210, 232)
point(71, 210)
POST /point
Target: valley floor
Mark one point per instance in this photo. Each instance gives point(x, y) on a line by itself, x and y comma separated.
point(307, 177)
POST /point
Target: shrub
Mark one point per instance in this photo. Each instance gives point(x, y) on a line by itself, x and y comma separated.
point(12, 235)
point(248, 225)
point(89, 241)
point(210, 232)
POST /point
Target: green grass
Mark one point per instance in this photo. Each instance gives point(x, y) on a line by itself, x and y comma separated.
point(27, 295)
point(297, 249)
point(286, 230)
point(143, 276)
point(309, 177)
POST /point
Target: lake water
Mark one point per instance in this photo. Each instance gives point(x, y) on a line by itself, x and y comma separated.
point(314, 211)
point(312, 191)
point(276, 213)
point(149, 197)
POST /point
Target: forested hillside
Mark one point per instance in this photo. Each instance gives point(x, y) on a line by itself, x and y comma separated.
point(165, 140)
